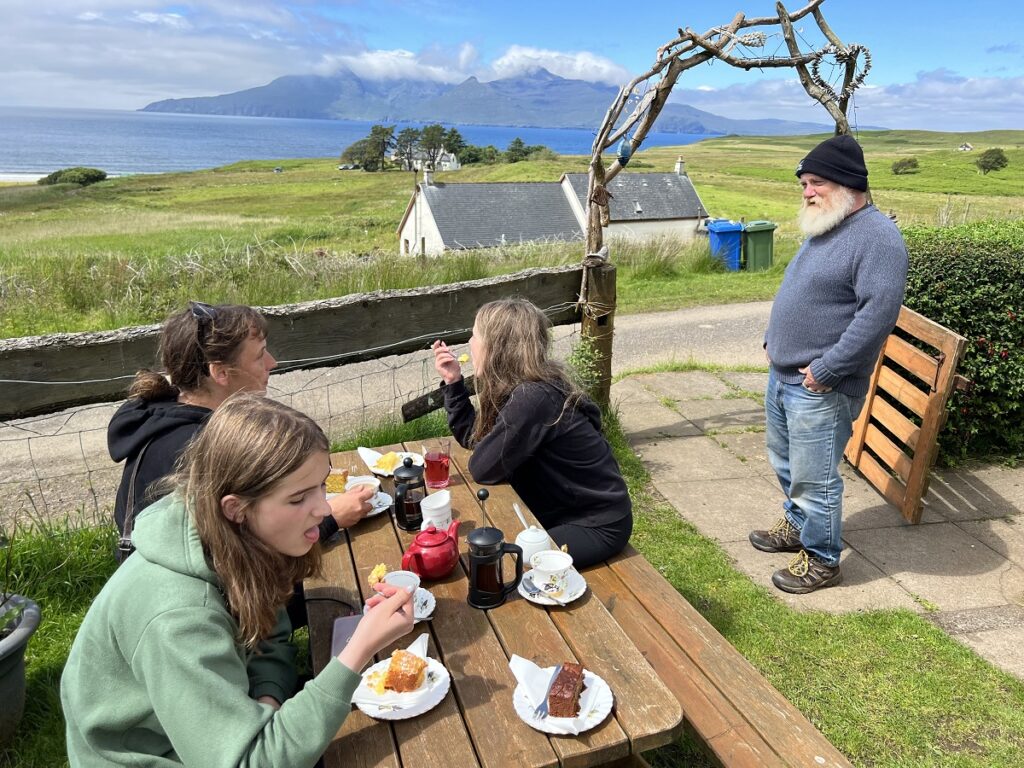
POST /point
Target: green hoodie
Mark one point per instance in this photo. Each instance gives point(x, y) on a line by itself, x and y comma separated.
point(156, 677)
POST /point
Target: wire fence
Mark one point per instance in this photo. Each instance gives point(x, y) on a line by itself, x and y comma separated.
point(57, 465)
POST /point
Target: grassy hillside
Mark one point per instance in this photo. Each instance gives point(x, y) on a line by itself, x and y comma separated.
point(128, 249)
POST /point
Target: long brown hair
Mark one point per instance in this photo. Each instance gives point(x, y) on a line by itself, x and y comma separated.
point(516, 340)
point(249, 445)
point(190, 341)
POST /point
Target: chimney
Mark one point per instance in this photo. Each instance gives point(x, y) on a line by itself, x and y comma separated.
point(680, 166)
point(428, 177)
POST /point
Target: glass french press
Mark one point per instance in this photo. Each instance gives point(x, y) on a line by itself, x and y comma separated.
point(409, 492)
point(487, 548)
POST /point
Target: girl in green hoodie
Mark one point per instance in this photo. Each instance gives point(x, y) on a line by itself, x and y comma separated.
point(183, 658)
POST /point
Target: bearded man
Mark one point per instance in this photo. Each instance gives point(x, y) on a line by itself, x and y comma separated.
point(838, 302)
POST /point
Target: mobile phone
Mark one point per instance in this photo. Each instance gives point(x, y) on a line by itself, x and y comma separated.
point(344, 628)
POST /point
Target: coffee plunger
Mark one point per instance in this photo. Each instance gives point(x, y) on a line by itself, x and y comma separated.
point(487, 548)
point(409, 491)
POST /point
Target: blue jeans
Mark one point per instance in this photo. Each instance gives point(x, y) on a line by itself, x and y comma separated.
point(807, 433)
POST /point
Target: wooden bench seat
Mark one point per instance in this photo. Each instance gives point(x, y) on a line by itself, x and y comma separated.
point(739, 717)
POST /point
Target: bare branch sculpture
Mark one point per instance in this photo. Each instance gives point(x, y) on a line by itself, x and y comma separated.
point(729, 44)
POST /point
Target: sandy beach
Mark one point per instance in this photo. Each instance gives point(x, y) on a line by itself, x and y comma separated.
point(25, 178)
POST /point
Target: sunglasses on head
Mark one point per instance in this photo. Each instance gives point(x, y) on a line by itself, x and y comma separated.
point(204, 315)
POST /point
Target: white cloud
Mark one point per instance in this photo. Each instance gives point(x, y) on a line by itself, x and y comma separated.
point(89, 16)
point(387, 65)
point(580, 65)
point(173, 20)
point(940, 100)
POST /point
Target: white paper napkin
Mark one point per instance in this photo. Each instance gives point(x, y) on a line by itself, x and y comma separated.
point(369, 697)
point(535, 683)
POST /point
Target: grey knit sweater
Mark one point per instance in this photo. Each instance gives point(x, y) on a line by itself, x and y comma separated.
point(838, 302)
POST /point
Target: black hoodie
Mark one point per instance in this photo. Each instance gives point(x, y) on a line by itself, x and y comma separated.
point(167, 426)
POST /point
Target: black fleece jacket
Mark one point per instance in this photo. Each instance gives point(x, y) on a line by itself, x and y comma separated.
point(167, 426)
point(559, 463)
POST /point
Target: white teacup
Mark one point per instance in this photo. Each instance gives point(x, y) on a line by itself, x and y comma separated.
point(551, 570)
point(357, 480)
point(437, 510)
point(402, 579)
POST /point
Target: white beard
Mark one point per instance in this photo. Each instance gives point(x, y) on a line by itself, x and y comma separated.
point(818, 218)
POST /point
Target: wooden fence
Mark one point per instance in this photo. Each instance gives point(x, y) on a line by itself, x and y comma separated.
point(43, 374)
point(894, 439)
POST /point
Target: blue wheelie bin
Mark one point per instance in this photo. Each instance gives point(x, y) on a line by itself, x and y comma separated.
point(725, 238)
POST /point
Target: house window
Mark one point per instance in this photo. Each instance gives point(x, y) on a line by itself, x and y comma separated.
point(636, 207)
point(405, 247)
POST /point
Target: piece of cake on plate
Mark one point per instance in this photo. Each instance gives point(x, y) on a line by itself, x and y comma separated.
point(564, 696)
point(405, 672)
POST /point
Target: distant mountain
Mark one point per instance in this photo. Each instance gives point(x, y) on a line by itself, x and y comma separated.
point(538, 99)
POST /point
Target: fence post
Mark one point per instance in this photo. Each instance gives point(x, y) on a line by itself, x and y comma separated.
point(598, 325)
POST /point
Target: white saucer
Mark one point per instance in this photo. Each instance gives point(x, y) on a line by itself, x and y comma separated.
point(381, 503)
point(575, 586)
point(595, 704)
point(370, 457)
point(423, 604)
point(391, 705)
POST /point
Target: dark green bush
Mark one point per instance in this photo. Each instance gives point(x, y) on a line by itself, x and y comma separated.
point(77, 175)
point(905, 165)
point(970, 278)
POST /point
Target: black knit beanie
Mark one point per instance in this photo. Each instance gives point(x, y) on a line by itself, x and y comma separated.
point(839, 159)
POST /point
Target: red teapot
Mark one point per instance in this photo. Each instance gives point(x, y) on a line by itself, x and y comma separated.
point(433, 554)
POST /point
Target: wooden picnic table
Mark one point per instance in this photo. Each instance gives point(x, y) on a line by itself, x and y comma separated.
point(475, 724)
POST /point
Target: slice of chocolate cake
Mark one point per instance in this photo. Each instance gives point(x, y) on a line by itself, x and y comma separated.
point(564, 696)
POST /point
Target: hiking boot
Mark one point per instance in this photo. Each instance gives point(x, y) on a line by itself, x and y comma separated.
point(781, 537)
point(806, 573)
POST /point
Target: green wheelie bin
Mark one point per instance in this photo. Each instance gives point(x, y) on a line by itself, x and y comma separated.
point(758, 245)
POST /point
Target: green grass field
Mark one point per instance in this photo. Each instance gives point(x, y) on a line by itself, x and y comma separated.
point(132, 249)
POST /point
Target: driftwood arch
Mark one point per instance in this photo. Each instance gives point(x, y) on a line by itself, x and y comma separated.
point(730, 44)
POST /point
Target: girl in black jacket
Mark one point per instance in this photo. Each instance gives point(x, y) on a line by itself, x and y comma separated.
point(537, 431)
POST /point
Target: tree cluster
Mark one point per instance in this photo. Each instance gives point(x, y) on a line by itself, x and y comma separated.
point(372, 153)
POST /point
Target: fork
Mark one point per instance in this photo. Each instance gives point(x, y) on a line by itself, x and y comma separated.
point(541, 710)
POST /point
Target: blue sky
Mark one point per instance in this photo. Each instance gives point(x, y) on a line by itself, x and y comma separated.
point(938, 65)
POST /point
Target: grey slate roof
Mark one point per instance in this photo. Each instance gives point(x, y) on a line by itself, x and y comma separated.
point(477, 215)
point(660, 196)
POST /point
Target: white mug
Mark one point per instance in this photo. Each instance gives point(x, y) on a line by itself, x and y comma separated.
point(437, 509)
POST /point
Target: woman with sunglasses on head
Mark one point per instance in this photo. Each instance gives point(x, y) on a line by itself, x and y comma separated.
point(537, 431)
point(183, 658)
point(207, 353)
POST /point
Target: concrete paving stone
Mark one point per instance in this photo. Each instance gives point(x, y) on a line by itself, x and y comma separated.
point(681, 459)
point(1006, 482)
point(17, 461)
point(942, 564)
point(979, 619)
point(755, 383)
point(689, 385)
point(1004, 536)
point(1002, 647)
point(864, 586)
point(866, 508)
point(967, 496)
point(644, 419)
point(748, 447)
point(725, 510)
point(730, 415)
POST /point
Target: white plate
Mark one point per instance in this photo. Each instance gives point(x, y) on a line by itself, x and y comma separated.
point(423, 605)
point(596, 695)
point(370, 457)
point(381, 503)
point(390, 706)
point(575, 586)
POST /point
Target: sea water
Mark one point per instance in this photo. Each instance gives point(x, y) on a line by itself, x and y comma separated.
point(35, 141)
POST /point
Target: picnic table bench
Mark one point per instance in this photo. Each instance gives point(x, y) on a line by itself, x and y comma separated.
point(668, 668)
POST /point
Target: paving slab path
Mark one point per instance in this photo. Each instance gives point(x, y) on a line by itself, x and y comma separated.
point(701, 436)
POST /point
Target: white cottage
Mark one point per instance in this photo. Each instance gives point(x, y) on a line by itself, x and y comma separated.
point(443, 217)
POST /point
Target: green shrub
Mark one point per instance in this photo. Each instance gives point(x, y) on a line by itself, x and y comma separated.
point(905, 165)
point(77, 175)
point(970, 278)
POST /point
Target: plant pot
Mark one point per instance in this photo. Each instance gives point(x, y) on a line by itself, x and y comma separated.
point(12, 667)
